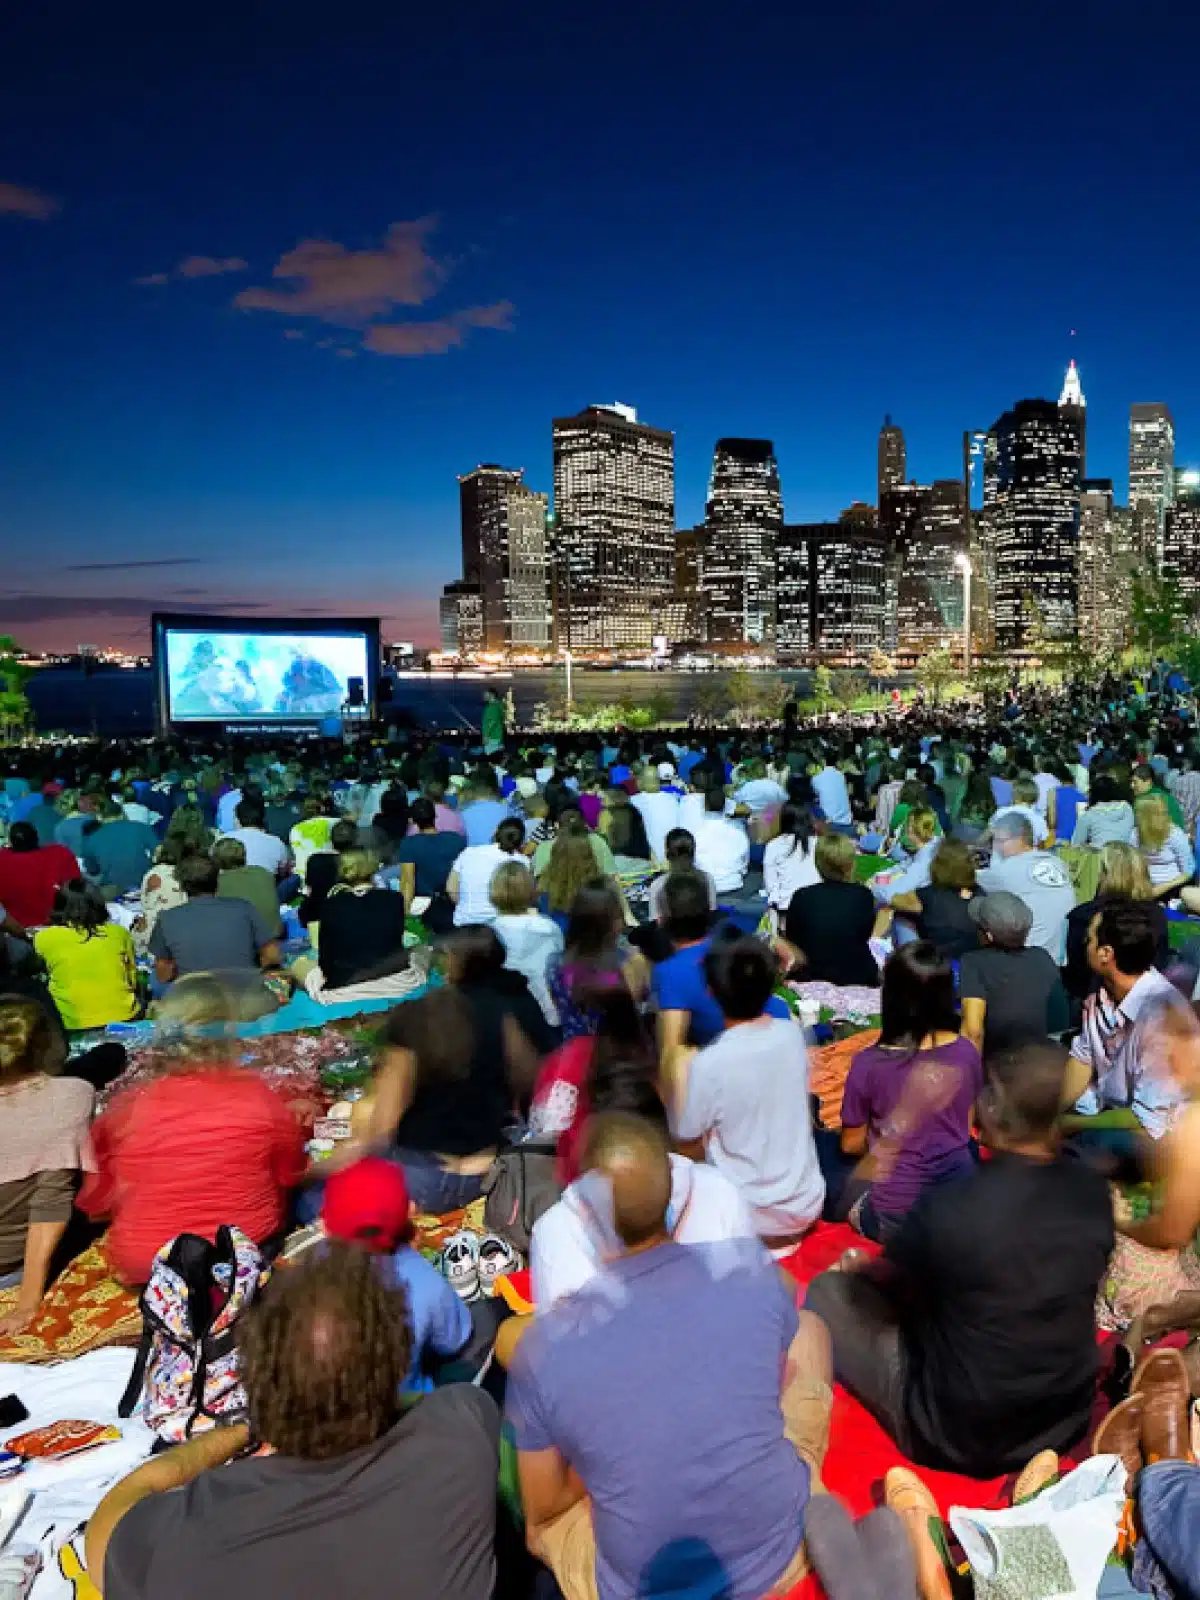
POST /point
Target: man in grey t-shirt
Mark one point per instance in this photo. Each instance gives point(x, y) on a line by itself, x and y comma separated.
point(207, 934)
point(1034, 876)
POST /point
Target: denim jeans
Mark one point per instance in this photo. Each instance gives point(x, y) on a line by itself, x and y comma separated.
point(432, 1188)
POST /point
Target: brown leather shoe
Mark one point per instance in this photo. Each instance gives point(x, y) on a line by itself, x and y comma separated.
point(917, 1509)
point(1042, 1471)
point(1120, 1434)
point(1162, 1379)
point(1191, 1360)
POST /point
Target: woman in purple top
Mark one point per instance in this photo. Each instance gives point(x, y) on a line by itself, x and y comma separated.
point(909, 1098)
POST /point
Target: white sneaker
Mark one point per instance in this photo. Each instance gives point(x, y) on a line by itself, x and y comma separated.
point(460, 1264)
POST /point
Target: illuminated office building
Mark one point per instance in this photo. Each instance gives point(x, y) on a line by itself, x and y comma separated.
point(1073, 405)
point(930, 592)
point(893, 458)
point(831, 590)
point(683, 619)
point(505, 552)
point(1103, 570)
point(614, 504)
point(460, 613)
point(1151, 477)
point(742, 520)
point(1031, 511)
point(1181, 534)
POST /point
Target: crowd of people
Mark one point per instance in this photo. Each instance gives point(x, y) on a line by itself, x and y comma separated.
point(623, 951)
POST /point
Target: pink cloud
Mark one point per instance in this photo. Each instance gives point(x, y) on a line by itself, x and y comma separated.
point(153, 280)
point(349, 287)
point(211, 266)
point(18, 201)
point(292, 333)
point(437, 337)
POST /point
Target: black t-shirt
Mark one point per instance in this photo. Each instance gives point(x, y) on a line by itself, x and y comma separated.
point(432, 856)
point(463, 1114)
point(413, 1514)
point(362, 936)
point(1001, 1338)
point(831, 923)
point(946, 920)
point(1022, 990)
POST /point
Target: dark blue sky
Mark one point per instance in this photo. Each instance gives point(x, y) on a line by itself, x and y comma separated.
point(740, 222)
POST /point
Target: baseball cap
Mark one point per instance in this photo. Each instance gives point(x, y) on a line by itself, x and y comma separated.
point(1004, 916)
point(367, 1204)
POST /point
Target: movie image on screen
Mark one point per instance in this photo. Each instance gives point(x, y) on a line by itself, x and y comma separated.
point(215, 676)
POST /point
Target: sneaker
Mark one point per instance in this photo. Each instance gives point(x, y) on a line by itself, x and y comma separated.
point(460, 1264)
point(497, 1259)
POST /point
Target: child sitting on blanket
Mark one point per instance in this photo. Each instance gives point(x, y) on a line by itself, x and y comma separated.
point(367, 1204)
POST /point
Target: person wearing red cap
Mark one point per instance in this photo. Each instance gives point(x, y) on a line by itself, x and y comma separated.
point(368, 1205)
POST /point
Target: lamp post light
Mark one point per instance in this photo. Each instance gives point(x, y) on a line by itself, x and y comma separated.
point(963, 562)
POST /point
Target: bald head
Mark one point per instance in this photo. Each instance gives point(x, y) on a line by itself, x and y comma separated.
point(632, 1154)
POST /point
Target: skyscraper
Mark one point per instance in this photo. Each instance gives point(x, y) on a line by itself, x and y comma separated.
point(1031, 510)
point(614, 504)
point(1102, 613)
point(831, 589)
point(1181, 535)
point(460, 615)
point(741, 526)
point(1073, 406)
point(505, 552)
point(1151, 476)
point(893, 458)
point(930, 598)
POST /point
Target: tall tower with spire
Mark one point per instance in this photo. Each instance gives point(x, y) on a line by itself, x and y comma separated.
point(893, 458)
point(1074, 409)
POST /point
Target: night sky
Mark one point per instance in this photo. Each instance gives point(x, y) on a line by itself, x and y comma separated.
point(271, 279)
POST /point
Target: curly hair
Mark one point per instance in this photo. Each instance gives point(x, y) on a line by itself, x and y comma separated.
point(323, 1355)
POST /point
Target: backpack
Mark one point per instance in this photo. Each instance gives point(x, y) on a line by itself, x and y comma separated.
point(187, 1360)
point(520, 1185)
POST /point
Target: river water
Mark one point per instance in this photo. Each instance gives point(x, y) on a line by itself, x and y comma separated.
point(121, 702)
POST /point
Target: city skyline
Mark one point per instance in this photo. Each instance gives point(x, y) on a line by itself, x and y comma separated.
point(249, 353)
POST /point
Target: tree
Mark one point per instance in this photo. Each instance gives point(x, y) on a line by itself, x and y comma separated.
point(15, 711)
point(710, 699)
point(1162, 614)
point(822, 687)
point(848, 686)
point(934, 672)
point(880, 666)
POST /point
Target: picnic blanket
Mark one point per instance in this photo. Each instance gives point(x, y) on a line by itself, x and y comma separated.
point(85, 1309)
point(828, 1069)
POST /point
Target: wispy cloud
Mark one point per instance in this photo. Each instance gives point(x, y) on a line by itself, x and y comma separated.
point(196, 267)
point(131, 566)
point(18, 609)
point(351, 287)
point(436, 337)
point(16, 200)
point(348, 288)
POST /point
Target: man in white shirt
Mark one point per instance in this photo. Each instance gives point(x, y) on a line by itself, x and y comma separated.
point(833, 796)
point(660, 811)
point(263, 849)
point(573, 1240)
point(470, 881)
point(722, 846)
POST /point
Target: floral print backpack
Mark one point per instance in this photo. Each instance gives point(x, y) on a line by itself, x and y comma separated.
point(187, 1362)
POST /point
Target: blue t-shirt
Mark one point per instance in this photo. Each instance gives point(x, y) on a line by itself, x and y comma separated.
point(679, 984)
point(659, 1382)
point(688, 760)
point(481, 819)
point(440, 1321)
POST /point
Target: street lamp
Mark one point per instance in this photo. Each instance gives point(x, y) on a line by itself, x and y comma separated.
point(963, 562)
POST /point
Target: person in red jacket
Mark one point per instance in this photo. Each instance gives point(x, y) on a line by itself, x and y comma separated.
point(30, 873)
point(208, 1143)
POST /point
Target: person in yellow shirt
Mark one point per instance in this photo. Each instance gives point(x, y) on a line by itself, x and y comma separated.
point(89, 960)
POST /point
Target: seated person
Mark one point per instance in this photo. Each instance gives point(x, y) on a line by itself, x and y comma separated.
point(207, 934)
point(1035, 876)
point(625, 1477)
point(1170, 859)
point(688, 1012)
point(367, 1204)
point(940, 910)
point(351, 1475)
point(237, 881)
point(322, 869)
point(1011, 991)
point(89, 960)
point(972, 1347)
point(722, 845)
point(532, 942)
point(1024, 804)
point(1122, 872)
point(1108, 817)
point(362, 927)
point(263, 849)
point(1120, 1058)
point(426, 858)
point(746, 1096)
point(31, 873)
point(570, 1245)
point(920, 839)
point(831, 922)
point(680, 855)
point(43, 1143)
point(117, 853)
point(207, 1143)
point(909, 1097)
